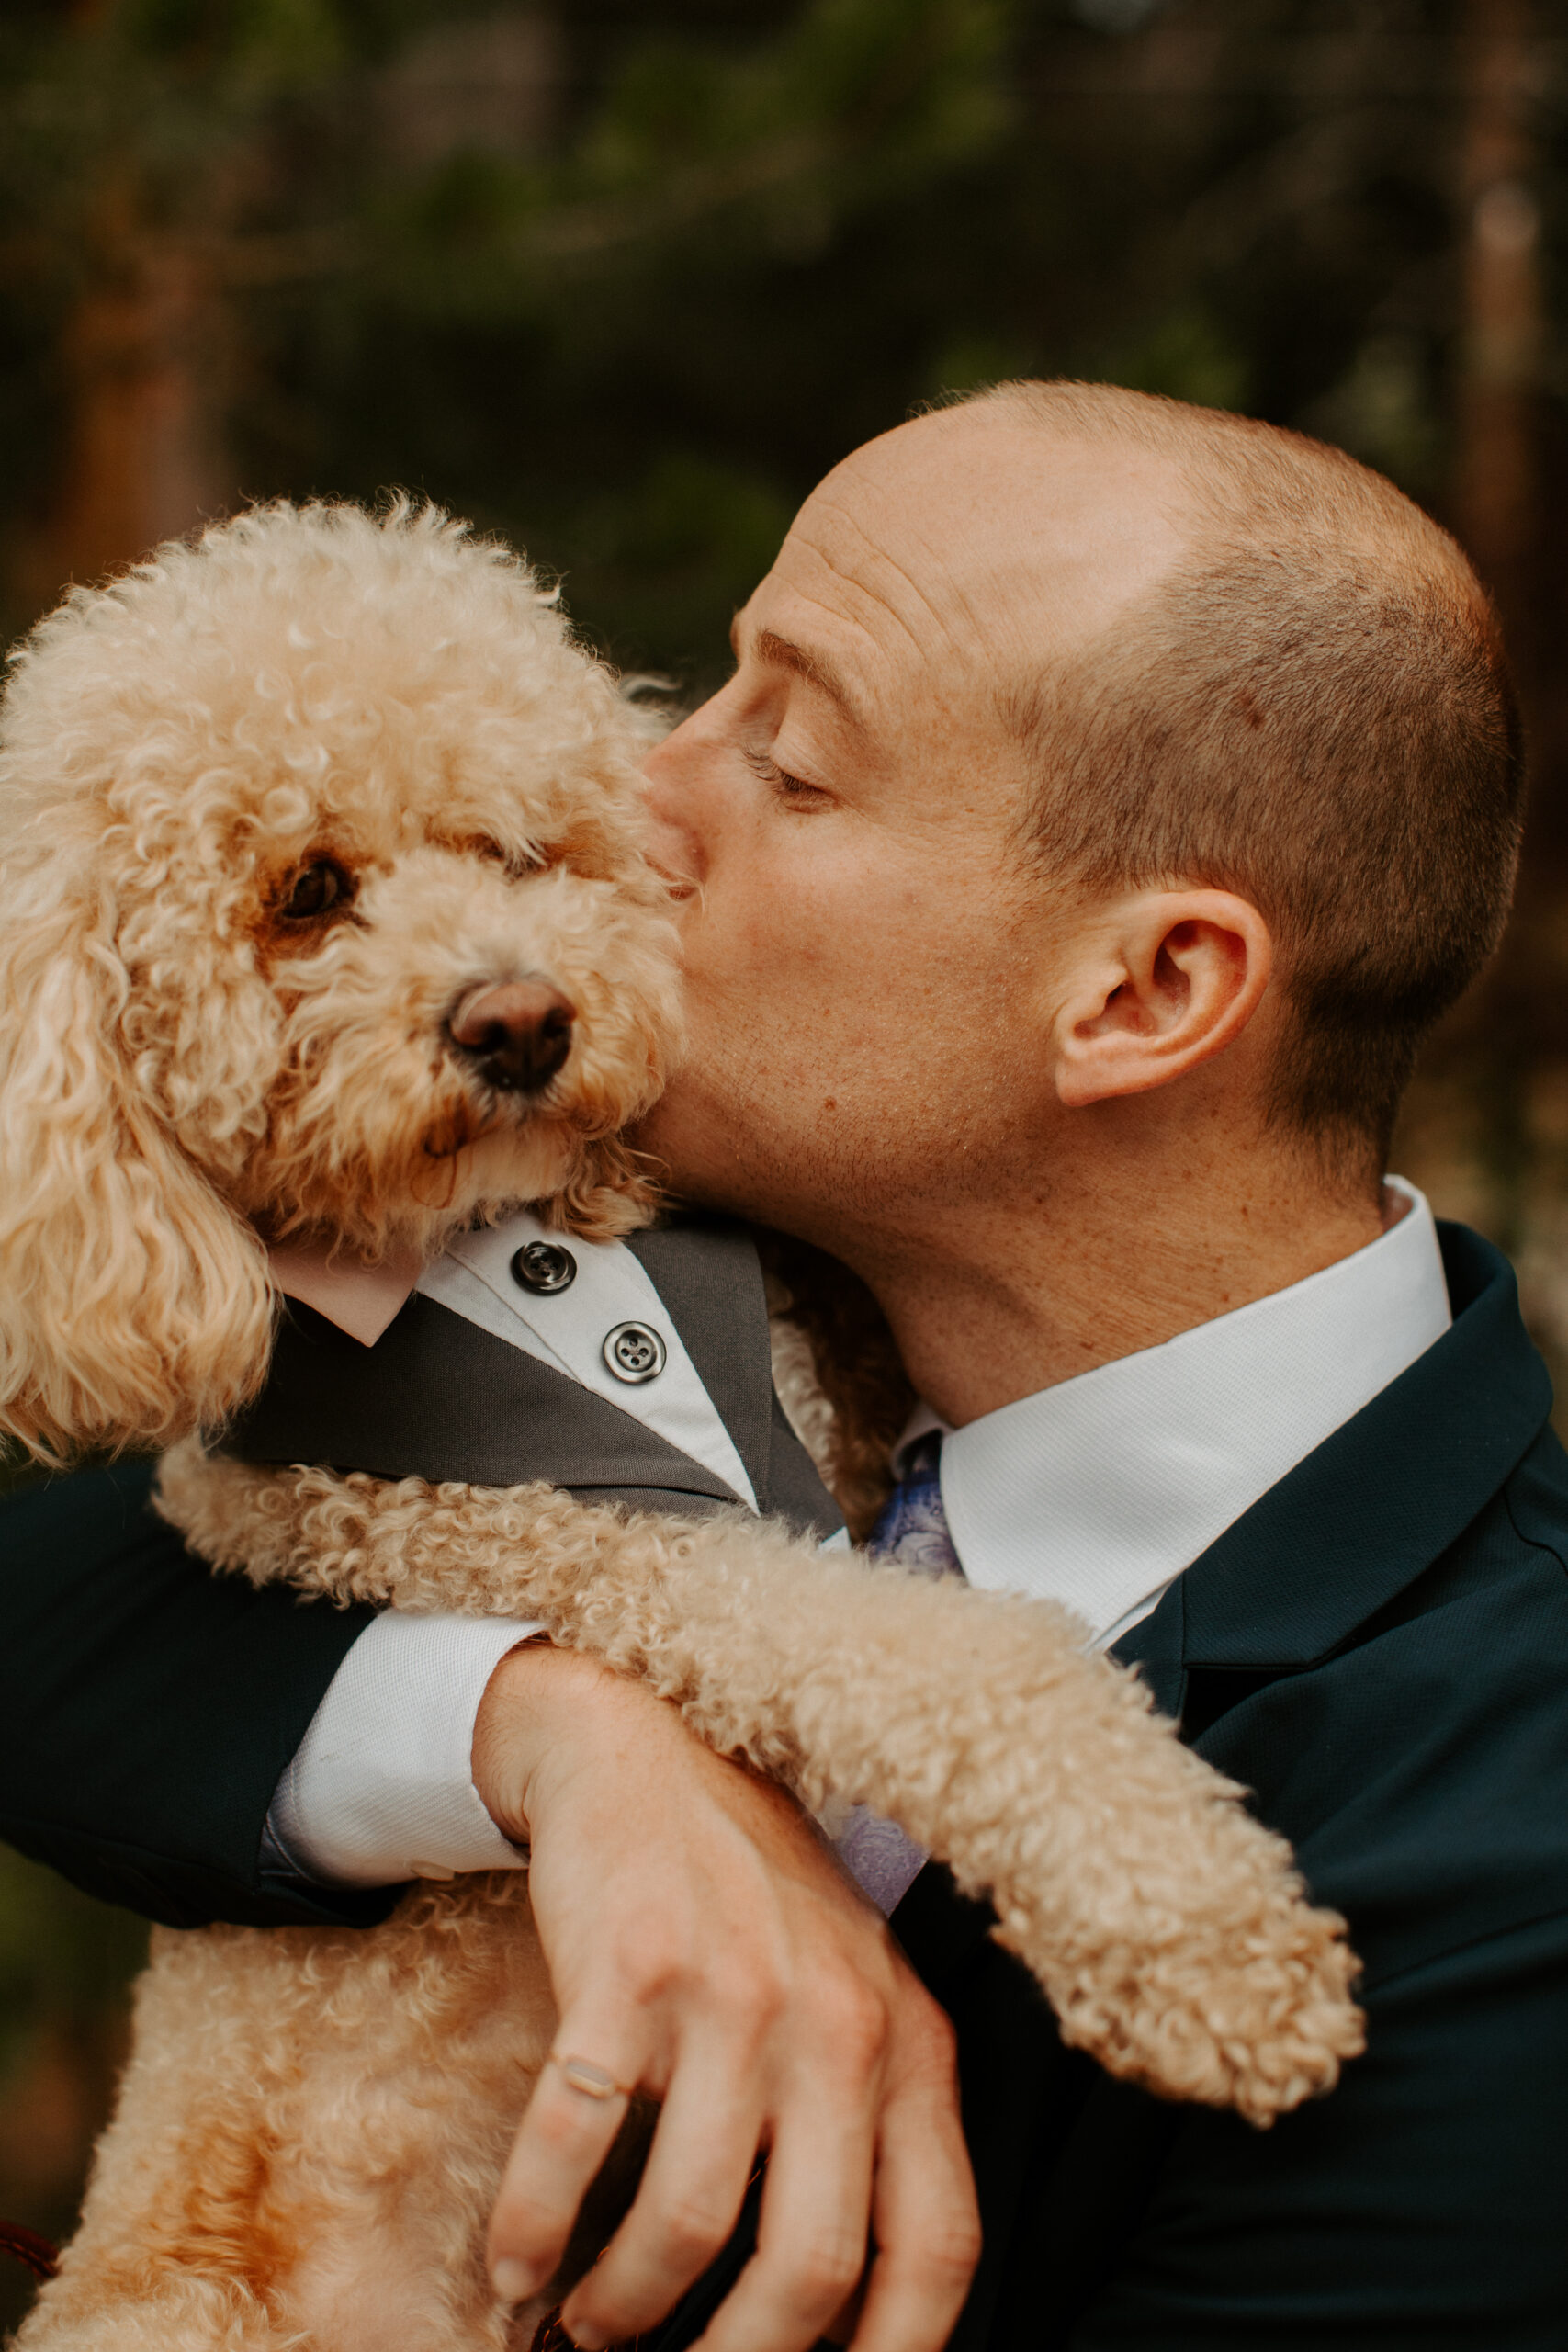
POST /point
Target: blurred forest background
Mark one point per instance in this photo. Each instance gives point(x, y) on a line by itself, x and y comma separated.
point(621, 279)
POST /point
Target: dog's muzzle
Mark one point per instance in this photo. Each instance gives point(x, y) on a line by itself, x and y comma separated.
point(516, 1033)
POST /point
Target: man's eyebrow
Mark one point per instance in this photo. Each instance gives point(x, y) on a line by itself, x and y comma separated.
point(781, 653)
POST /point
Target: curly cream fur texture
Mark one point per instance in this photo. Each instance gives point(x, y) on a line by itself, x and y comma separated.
point(309, 2133)
point(1165, 1925)
point(180, 1059)
point(838, 1373)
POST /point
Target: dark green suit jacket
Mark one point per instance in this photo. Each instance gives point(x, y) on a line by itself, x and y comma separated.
point(1379, 1649)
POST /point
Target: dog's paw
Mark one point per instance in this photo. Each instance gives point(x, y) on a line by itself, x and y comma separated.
point(1256, 2015)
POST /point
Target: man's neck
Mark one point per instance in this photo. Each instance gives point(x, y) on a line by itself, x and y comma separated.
point(995, 1304)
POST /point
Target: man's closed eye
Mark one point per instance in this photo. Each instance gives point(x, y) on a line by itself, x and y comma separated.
point(792, 791)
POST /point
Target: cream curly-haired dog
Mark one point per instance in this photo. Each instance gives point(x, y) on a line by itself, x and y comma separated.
point(272, 809)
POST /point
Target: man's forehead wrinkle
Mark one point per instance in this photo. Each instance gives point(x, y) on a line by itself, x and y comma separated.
point(799, 600)
point(861, 581)
point(880, 553)
point(952, 580)
point(836, 612)
point(979, 555)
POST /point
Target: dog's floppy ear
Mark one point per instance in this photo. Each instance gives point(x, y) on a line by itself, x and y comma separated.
point(134, 1303)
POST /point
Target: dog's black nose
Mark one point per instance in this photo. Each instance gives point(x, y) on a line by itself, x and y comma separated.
point(518, 1033)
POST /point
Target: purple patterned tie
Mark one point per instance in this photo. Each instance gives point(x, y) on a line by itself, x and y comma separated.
point(913, 1530)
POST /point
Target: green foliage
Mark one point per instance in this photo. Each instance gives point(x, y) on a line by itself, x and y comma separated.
point(692, 153)
point(672, 552)
point(741, 235)
point(1384, 410)
point(1187, 357)
point(623, 276)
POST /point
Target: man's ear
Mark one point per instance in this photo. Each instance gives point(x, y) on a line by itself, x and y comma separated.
point(1166, 980)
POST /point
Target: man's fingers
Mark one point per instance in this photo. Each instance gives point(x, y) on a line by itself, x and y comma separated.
point(704, 1947)
point(811, 2246)
point(565, 2133)
point(925, 2221)
point(688, 2202)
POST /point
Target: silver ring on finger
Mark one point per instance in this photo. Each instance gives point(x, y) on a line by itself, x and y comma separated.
point(593, 2082)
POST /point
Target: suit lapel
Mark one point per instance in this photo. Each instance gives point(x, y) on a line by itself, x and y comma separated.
point(707, 1273)
point(1342, 1535)
point(1363, 1517)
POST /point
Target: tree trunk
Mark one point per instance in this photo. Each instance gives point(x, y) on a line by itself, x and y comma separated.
point(1498, 486)
point(141, 377)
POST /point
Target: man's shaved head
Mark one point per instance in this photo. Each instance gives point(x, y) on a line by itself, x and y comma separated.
point(1311, 706)
point(1106, 797)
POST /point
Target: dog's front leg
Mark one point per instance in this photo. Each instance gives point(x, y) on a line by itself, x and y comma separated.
point(1166, 1927)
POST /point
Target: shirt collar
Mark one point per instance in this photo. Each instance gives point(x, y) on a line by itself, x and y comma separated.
point(361, 1300)
point(1098, 1492)
point(1344, 1533)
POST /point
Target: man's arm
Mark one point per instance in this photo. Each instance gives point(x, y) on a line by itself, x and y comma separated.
point(149, 1708)
point(381, 1789)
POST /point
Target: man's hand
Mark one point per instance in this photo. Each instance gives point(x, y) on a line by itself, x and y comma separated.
point(706, 1947)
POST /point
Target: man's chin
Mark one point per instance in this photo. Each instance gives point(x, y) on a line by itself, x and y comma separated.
point(716, 1152)
point(679, 1136)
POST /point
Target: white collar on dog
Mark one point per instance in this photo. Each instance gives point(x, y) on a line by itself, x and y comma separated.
point(568, 1329)
point(361, 1300)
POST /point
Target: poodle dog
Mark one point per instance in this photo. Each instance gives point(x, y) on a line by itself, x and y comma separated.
point(280, 813)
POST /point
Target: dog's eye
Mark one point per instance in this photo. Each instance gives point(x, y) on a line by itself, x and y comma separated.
point(315, 891)
point(513, 860)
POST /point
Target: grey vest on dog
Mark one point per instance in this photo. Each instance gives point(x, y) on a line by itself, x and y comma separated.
point(437, 1397)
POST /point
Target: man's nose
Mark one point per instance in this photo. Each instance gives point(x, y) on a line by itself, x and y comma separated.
point(516, 1033)
point(667, 781)
point(672, 851)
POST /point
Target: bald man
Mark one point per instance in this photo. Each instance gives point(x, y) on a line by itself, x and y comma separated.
point(1106, 797)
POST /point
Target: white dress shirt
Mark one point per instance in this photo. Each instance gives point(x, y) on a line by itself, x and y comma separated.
point(1097, 1493)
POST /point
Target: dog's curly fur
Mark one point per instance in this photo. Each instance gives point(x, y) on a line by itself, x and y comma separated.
point(313, 2121)
point(401, 701)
